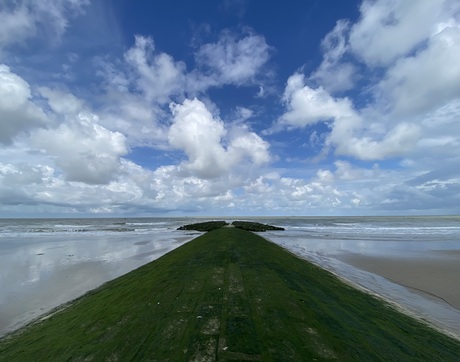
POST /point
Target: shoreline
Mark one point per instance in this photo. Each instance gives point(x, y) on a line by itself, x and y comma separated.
point(415, 300)
point(431, 276)
point(400, 307)
point(71, 278)
point(404, 309)
point(390, 268)
point(229, 294)
point(359, 261)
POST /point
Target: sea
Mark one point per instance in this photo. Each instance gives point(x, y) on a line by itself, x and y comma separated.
point(45, 263)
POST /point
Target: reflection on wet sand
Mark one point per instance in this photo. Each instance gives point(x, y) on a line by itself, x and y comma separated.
point(434, 275)
point(46, 272)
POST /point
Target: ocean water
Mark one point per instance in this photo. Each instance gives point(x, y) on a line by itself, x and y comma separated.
point(379, 236)
point(47, 262)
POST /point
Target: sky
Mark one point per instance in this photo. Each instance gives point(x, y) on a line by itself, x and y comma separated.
point(229, 107)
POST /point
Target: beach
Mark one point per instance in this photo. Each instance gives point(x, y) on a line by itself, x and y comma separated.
point(434, 275)
point(412, 262)
point(229, 295)
point(46, 263)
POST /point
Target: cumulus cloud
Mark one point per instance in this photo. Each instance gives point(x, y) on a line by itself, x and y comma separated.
point(389, 29)
point(158, 75)
point(84, 151)
point(398, 141)
point(137, 119)
point(409, 51)
point(139, 88)
point(26, 19)
point(62, 152)
point(199, 135)
point(334, 74)
point(160, 79)
point(248, 144)
point(61, 102)
point(306, 106)
point(319, 195)
point(417, 82)
point(17, 182)
point(18, 112)
point(350, 135)
point(231, 60)
point(430, 78)
point(127, 108)
point(204, 140)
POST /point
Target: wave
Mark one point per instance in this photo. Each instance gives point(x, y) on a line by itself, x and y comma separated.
point(79, 230)
point(146, 223)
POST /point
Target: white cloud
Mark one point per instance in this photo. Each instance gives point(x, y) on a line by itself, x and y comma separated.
point(18, 113)
point(350, 135)
point(334, 74)
point(389, 29)
point(136, 118)
point(199, 135)
point(320, 195)
point(64, 153)
point(307, 106)
point(243, 114)
point(158, 75)
point(427, 80)
point(248, 144)
point(412, 112)
point(396, 142)
point(24, 19)
point(43, 188)
point(18, 182)
point(82, 149)
point(61, 102)
point(139, 88)
point(203, 138)
point(16, 25)
point(441, 136)
point(231, 60)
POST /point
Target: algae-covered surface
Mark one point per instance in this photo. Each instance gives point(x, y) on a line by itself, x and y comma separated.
point(228, 295)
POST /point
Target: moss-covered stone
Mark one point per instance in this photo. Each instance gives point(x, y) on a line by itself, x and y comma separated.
point(228, 295)
point(254, 226)
point(204, 226)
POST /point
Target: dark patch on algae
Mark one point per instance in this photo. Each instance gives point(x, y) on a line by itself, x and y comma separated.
point(255, 226)
point(228, 295)
point(204, 226)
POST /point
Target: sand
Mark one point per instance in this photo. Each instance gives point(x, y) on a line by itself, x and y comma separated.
point(434, 274)
point(214, 299)
point(39, 277)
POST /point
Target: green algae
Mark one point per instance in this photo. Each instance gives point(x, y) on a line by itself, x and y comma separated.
point(228, 295)
point(204, 226)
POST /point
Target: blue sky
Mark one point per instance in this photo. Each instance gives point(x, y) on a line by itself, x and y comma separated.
point(112, 108)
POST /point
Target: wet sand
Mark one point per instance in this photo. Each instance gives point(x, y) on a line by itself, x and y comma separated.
point(433, 275)
point(41, 276)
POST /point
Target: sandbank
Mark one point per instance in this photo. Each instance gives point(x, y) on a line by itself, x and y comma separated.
point(433, 274)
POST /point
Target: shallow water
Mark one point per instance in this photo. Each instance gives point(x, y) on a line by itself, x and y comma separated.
point(47, 262)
